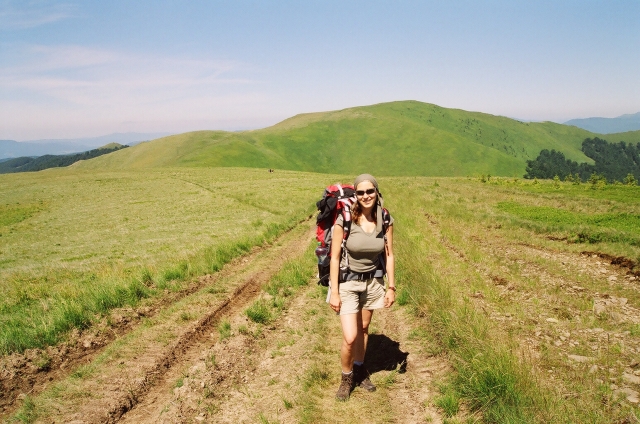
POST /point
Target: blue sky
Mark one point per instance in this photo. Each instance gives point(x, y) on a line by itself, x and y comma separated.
point(88, 68)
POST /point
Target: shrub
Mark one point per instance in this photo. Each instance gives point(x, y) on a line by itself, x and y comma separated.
point(630, 180)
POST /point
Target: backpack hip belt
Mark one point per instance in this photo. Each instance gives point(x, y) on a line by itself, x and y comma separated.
point(360, 276)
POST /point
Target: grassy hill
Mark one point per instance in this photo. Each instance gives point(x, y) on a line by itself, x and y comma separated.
point(398, 138)
point(32, 164)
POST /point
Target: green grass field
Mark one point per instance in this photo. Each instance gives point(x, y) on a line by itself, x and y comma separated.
point(483, 263)
point(76, 244)
point(474, 262)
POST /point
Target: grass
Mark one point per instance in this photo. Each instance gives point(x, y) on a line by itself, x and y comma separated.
point(481, 265)
point(426, 140)
point(161, 329)
point(224, 328)
point(452, 243)
point(580, 227)
point(76, 245)
point(259, 312)
point(293, 275)
point(12, 214)
point(28, 413)
point(448, 402)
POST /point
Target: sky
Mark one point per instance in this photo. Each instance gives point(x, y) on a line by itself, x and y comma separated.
point(71, 69)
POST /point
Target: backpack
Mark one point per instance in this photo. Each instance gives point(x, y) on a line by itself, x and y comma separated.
point(337, 200)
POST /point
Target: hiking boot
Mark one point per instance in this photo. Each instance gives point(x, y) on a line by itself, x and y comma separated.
point(361, 378)
point(345, 387)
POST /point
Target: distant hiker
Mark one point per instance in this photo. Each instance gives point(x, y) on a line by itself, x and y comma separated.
point(356, 285)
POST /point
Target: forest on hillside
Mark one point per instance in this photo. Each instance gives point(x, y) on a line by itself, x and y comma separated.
point(32, 164)
point(612, 161)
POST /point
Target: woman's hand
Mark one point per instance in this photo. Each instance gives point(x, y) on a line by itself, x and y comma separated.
point(389, 298)
point(335, 302)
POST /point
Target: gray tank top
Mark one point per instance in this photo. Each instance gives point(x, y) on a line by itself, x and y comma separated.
point(363, 248)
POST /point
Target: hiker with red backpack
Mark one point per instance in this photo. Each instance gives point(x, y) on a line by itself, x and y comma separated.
point(359, 257)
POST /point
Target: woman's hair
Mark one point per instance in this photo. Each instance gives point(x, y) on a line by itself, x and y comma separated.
point(356, 211)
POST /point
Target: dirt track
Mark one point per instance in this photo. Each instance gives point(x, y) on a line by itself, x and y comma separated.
point(270, 378)
point(172, 366)
point(21, 374)
point(168, 363)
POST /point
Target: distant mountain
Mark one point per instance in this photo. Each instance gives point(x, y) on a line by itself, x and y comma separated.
point(31, 164)
point(620, 124)
point(15, 149)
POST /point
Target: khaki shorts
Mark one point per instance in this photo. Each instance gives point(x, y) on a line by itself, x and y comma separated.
point(360, 294)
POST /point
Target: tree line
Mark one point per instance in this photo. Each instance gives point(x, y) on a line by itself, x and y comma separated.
point(32, 164)
point(612, 161)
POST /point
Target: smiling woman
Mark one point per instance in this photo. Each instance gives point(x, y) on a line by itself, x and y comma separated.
point(357, 286)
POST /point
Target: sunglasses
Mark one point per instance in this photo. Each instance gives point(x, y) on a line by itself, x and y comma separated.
point(368, 191)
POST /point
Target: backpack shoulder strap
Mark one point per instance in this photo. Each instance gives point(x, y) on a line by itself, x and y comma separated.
point(386, 221)
point(346, 226)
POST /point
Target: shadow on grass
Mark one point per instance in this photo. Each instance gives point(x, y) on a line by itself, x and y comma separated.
point(384, 354)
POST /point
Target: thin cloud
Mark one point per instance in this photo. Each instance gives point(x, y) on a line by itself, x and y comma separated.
point(17, 15)
point(65, 85)
point(75, 74)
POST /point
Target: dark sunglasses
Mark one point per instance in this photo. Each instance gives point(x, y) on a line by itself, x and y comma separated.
point(368, 191)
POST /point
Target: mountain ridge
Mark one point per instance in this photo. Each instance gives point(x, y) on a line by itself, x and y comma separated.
point(64, 146)
point(622, 123)
point(399, 138)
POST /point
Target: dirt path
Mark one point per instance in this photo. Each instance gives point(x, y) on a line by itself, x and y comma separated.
point(175, 366)
point(24, 374)
point(289, 373)
point(103, 388)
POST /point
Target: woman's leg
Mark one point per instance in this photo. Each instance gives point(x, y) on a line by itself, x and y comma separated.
point(361, 349)
point(352, 340)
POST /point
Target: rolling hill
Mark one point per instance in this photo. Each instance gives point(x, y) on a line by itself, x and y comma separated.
point(398, 138)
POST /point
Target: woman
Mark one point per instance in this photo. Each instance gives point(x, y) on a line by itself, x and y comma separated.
point(362, 290)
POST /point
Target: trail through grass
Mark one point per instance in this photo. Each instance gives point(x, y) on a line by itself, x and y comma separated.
point(493, 273)
point(75, 244)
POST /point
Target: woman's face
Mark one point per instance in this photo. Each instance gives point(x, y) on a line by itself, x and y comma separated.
point(366, 194)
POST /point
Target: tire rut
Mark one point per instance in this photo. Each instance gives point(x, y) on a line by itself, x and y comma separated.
point(20, 375)
point(571, 315)
point(292, 368)
point(121, 374)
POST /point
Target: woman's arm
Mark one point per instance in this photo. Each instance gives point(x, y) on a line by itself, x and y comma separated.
point(334, 267)
point(390, 296)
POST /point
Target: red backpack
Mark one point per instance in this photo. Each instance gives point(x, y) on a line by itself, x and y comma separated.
point(337, 200)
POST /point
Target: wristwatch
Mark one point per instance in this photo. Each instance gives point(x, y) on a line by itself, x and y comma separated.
point(391, 288)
